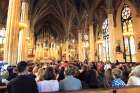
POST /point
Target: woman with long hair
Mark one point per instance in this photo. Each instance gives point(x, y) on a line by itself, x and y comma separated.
point(49, 84)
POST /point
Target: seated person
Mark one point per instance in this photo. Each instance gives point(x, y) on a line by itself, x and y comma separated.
point(4, 75)
point(134, 77)
point(30, 71)
point(40, 74)
point(12, 73)
point(48, 82)
point(22, 83)
point(70, 82)
point(61, 75)
point(117, 82)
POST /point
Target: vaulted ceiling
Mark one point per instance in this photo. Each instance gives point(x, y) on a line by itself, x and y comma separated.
point(58, 16)
point(61, 16)
point(3, 11)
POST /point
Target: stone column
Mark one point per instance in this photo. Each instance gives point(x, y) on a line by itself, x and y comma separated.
point(11, 46)
point(111, 30)
point(80, 55)
point(67, 50)
point(91, 43)
point(22, 46)
point(99, 44)
point(112, 37)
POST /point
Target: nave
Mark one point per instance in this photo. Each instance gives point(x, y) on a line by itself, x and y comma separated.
point(69, 45)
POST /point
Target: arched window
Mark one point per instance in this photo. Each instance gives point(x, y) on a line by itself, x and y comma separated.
point(2, 41)
point(128, 38)
point(106, 41)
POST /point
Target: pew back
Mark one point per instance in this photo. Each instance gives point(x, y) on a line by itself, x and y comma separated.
point(123, 90)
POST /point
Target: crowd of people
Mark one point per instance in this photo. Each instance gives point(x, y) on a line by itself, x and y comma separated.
point(29, 77)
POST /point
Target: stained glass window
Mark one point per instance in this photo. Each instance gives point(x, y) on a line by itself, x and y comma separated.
point(127, 27)
point(126, 12)
point(2, 41)
point(106, 41)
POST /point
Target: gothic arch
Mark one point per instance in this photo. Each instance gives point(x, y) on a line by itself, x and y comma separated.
point(118, 14)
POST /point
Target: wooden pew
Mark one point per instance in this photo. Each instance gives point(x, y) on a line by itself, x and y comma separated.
point(3, 89)
point(129, 90)
point(122, 90)
point(89, 91)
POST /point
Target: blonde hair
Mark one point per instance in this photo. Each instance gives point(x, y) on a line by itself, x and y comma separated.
point(35, 70)
point(40, 74)
point(135, 71)
point(117, 72)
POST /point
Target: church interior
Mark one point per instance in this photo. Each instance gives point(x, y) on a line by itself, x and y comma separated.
point(69, 46)
point(93, 30)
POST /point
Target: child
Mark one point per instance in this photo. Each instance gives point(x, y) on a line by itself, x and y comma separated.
point(117, 82)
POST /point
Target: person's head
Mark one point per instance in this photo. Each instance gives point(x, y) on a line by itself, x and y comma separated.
point(62, 69)
point(30, 69)
point(22, 68)
point(85, 68)
point(15, 71)
point(35, 69)
point(76, 71)
point(135, 71)
point(10, 69)
point(70, 71)
point(41, 74)
point(116, 73)
point(50, 73)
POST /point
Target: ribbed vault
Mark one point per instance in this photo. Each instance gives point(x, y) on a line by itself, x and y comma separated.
point(61, 17)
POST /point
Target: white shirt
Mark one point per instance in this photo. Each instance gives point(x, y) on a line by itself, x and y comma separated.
point(5, 81)
point(134, 81)
point(48, 86)
point(107, 66)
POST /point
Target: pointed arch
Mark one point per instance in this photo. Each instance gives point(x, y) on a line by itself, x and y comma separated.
point(106, 41)
point(128, 33)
